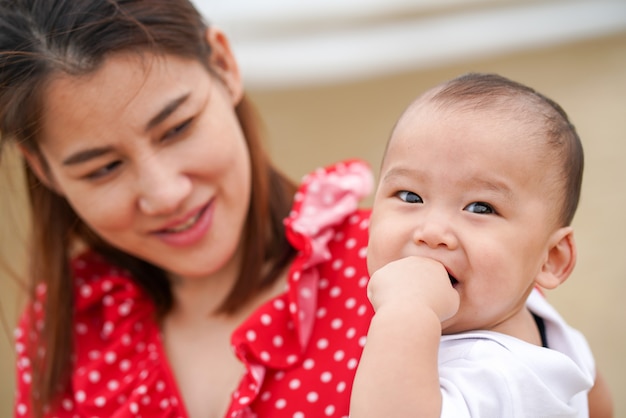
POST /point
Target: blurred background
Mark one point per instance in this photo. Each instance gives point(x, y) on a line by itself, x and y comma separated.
point(330, 78)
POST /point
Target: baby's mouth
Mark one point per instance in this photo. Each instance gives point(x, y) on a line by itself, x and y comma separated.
point(453, 281)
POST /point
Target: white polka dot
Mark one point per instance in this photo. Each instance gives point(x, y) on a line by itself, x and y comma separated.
point(337, 264)
point(292, 307)
point(326, 377)
point(352, 363)
point(323, 283)
point(113, 385)
point(265, 356)
point(100, 401)
point(362, 341)
point(349, 272)
point(110, 357)
point(94, 376)
point(266, 319)
point(27, 378)
point(142, 390)
point(341, 386)
point(339, 355)
point(107, 328)
point(350, 333)
point(363, 252)
point(21, 409)
point(93, 355)
point(251, 335)
point(291, 359)
point(145, 400)
point(134, 407)
point(298, 415)
point(363, 281)
point(68, 404)
point(80, 396)
point(306, 293)
point(312, 397)
point(322, 343)
point(295, 276)
point(351, 243)
point(279, 375)
point(160, 386)
point(362, 309)
point(107, 285)
point(277, 341)
point(108, 300)
point(308, 364)
point(336, 323)
point(350, 303)
point(294, 384)
point(19, 347)
point(85, 291)
point(280, 404)
point(279, 304)
point(321, 312)
point(335, 291)
point(125, 308)
point(81, 328)
point(329, 410)
point(125, 365)
point(164, 404)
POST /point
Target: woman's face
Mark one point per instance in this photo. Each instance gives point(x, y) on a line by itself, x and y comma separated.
point(149, 153)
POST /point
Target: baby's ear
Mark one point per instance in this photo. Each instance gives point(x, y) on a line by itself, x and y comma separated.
point(560, 259)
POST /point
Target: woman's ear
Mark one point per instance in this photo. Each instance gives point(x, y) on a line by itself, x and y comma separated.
point(39, 167)
point(560, 260)
point(222, 61)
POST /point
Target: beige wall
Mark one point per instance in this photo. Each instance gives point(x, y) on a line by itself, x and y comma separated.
point(316, 126)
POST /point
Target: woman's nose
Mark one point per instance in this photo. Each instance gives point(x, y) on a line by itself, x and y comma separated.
point(435, 231)
point(162, 188)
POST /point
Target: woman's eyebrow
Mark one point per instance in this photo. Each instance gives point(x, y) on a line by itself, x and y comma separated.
point(85, 155)
point(167, 110)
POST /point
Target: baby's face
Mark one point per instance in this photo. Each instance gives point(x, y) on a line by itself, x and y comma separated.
point(469, 190)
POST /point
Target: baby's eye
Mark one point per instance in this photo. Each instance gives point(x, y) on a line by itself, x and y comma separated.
point(481, 208)
point(409, 197)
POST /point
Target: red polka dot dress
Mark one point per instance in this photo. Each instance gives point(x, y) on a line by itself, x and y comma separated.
point(300, 349)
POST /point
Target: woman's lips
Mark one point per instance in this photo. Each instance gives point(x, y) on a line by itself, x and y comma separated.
point(189, 231)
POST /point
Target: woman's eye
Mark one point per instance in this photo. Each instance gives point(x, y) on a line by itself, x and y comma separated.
point(101, 172)
point(480, 208)
point(409, 197)
point(178, 129)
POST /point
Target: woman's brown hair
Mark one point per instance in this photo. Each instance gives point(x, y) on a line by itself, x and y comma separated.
point(41, 38)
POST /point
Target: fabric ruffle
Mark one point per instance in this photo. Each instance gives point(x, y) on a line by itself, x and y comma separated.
point(325, 199)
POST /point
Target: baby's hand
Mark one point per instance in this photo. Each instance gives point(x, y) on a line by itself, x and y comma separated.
point(413, 283)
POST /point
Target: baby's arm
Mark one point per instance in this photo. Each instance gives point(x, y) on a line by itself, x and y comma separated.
point(398, 372)
point(600, 399)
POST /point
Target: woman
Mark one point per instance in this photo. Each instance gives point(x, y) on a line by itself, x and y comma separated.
point(158, 241)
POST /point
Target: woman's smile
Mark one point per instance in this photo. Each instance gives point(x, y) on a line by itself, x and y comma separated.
point(190, 230)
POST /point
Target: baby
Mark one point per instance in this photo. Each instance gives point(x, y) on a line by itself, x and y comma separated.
point(478, 187)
